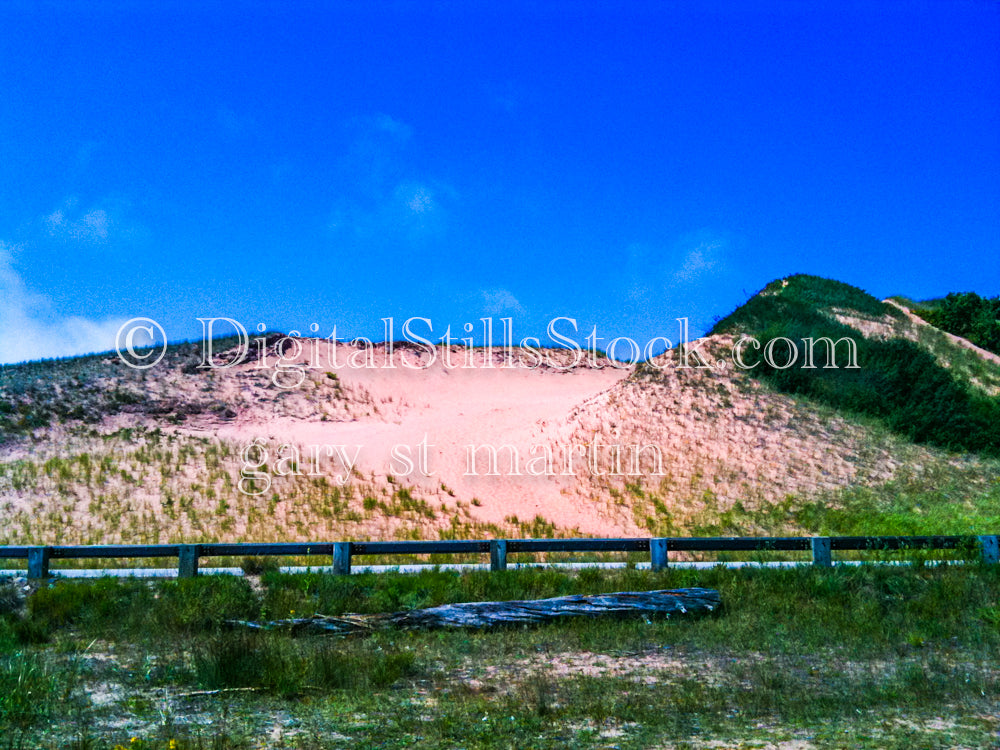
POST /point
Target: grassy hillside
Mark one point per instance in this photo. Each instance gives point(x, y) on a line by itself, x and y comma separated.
point(898, 382)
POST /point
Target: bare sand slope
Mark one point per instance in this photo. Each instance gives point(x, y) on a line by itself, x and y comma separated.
point(681, 436)
point(724, 437)
point(460, 414)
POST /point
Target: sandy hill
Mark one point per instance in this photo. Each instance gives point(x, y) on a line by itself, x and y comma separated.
point(401, 444)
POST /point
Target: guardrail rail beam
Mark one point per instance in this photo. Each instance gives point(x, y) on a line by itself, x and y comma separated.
point(822, 548)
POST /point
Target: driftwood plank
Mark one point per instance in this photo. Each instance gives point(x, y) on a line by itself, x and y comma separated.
point(624, 603)
point(664, 602)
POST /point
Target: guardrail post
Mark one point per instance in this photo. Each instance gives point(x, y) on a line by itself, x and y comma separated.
point(989, 550)
point(658, 554)
point(498, 554)
point(821, 551)
point(187, 560)
point(38, 562)
point(342, 558)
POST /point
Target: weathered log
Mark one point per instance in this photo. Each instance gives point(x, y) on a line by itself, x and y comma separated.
point(620, 604)
point(478, 615)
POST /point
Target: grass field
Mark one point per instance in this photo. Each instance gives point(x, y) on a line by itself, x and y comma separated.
point(862, 657)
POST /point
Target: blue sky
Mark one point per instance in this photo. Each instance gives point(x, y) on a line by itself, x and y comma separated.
point(619, 164)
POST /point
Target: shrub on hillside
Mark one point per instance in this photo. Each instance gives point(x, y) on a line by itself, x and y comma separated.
point(968, 315)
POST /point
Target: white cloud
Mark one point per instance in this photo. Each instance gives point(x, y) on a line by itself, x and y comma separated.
point(93, 226)
point(694, 259)
point(381, 196)
point(69, 223)
point(395, 128)
point(409, 211)
point(704, 258)
point(684, 278)
point(416, 197)
point(500, 301)
point(30, 328)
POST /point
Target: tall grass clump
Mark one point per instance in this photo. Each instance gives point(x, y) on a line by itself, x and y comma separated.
point(29, 690)
point(110, 606)
point(285, 666)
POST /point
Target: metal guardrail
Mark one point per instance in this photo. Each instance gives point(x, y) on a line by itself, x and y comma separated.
point(342, 553)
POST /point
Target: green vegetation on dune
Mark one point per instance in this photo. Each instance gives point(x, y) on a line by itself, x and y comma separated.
point(89, 388)
point(946, 501)
point(897, 381)
point(965, 314)
point(803, 294)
